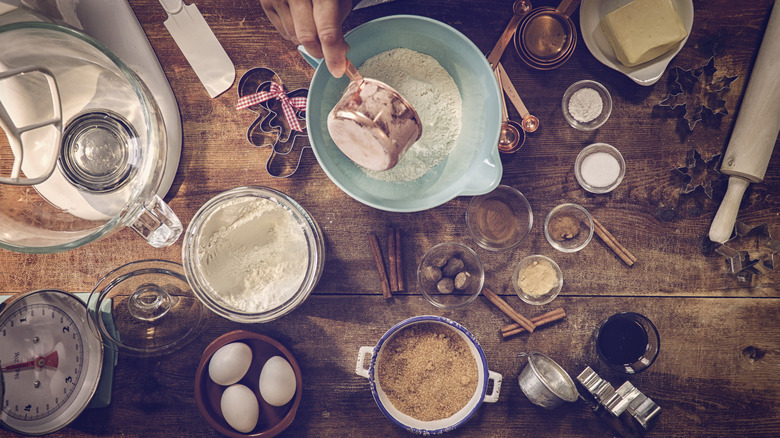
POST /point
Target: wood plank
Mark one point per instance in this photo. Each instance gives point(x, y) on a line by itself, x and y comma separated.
point(715, 373)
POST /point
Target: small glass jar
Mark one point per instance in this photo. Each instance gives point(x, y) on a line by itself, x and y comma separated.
point(599, 168)
point(573, 104)
point(568, 227)
point(455, 292)
point(499, 220)
point(544, 272)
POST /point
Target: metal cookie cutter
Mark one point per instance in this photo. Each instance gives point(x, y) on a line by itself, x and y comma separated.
point(272, 128)
point(697, 90)
point(627, 397)
point(759, 259)
point(699, 173)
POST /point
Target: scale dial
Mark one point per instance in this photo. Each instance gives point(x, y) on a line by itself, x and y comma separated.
point(51, 361)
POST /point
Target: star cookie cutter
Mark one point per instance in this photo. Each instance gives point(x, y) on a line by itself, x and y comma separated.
point(759, 259)
point(271, 128)
point(697, 90)
point(616, 401)
point(699, 173)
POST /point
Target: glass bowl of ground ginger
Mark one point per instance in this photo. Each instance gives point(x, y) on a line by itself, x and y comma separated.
point(568, 227)
point(537, 279)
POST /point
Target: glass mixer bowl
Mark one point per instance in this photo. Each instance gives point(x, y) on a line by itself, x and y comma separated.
point(85, 147)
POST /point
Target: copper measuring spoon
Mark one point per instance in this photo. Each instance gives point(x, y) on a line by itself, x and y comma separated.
point(530, 123)
point(512, 136)
point(520, 8)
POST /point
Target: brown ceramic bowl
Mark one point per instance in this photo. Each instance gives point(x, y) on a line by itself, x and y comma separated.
point(273, 420)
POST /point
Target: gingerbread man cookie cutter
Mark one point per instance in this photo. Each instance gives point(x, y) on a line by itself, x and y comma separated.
point(280, 122)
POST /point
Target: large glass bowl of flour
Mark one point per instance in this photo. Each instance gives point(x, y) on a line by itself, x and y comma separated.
point(449, 82)
point(253, 254)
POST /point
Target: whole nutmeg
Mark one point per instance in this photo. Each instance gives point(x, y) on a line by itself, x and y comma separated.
point(462, 280)
point(453, 266)
point(439, 261)
point(431, 273)
point(445, 285)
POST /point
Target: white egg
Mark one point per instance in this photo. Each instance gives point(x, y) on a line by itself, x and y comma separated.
point(229, 364)
point(240, 408)
point(277, 381)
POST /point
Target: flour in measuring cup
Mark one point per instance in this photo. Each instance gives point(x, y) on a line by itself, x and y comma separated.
point(253, 253)
point(430, 89)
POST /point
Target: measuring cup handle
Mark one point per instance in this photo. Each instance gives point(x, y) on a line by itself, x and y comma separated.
point(314, 62)
point(496, 378)
point(360, 368)
point(157, 223)
point(567, 7)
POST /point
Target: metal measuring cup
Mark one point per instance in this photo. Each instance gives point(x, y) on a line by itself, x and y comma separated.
point(372, 123)
point(546, 38)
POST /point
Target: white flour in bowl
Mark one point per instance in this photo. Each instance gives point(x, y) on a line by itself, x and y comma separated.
point(253, 253)
point(433, 93)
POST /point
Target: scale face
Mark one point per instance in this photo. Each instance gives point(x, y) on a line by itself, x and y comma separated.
point(51, 361)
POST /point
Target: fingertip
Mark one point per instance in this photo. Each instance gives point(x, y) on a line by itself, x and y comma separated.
point(314, 50)
point(337, 69)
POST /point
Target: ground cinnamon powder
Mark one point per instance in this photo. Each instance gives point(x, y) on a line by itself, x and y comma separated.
point(427, 371)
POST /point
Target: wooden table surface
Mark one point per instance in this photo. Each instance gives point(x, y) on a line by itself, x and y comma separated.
point(716, 374)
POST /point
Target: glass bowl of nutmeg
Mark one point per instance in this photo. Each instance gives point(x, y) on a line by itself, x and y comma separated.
point(450, 275)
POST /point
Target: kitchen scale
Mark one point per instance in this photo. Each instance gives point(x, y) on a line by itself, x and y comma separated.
point(59, 349)
point(53, 365)
point(114, 24)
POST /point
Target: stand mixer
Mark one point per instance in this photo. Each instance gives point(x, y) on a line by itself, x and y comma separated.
point(108, 170)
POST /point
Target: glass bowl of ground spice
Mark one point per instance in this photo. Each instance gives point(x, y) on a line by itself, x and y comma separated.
point(586, 105)
point(537, 279)
point(450, 275)
point(499, 220)
point(568, 227)
point(253, 254)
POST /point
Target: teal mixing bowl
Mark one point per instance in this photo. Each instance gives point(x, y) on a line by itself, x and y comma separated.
point(474, 165)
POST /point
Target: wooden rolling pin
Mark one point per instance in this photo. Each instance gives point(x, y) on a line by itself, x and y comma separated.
point(755, 131)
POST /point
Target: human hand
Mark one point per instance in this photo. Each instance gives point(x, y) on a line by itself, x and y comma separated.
point(315, 24)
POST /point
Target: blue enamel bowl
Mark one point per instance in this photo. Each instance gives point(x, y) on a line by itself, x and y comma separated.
point(474, 165)
point(435, 427)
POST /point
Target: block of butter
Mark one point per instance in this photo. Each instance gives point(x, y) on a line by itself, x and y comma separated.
point(643, 30)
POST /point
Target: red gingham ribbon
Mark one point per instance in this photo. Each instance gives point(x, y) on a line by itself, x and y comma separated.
point(289, 104)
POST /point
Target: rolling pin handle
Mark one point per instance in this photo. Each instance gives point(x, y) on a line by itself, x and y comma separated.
point(726, 217)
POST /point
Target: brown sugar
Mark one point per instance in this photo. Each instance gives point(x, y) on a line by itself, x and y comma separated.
point(428, 371)
point(564, 227)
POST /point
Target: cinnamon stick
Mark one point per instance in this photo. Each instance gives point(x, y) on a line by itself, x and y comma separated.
point(613, 244)
point(399, 261)
point(551, 316)
point(391, 256)
point(380, 265)
point(508, 310)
